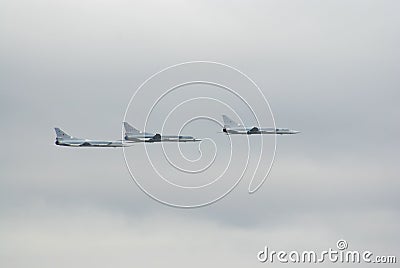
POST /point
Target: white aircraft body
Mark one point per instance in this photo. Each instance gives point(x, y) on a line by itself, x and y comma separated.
point(63, 139)
point(134, 135)
point(231, 127)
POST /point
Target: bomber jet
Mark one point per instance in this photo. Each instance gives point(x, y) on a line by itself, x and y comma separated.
point(134, 135)
point(231, 127)
point(63, 139)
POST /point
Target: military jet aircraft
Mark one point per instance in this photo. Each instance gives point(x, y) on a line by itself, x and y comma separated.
point(134, 135)
point(63, 139)
point(231, 127)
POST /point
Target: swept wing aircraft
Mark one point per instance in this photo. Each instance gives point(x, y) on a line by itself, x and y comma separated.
point(134, 135)
point(231, 127)
point(63, 139)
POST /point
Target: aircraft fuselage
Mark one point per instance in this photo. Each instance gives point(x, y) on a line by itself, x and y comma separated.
point(90, 143)
point(158, 138)
point(256, 130)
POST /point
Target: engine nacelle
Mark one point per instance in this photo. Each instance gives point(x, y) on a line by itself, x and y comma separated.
point(254, 130)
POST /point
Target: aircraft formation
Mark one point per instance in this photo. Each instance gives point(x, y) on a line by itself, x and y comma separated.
point(133, 136)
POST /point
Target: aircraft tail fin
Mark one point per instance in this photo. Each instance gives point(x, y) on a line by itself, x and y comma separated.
point(61, 134)
point(130, 129)
point(229, 123)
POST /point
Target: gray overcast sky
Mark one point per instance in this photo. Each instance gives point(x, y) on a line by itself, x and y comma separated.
point(328, 68)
